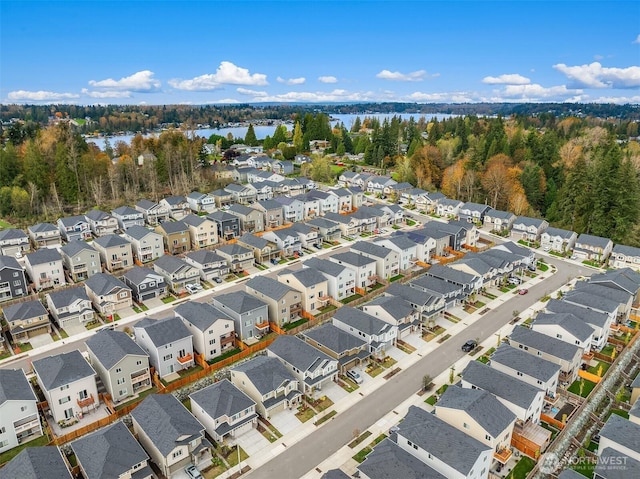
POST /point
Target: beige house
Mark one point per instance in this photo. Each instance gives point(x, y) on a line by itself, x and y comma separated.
point(176, 236)
point(115, 252)
point(108, 294)
point(147, 245)
point(45, 268)
point(238, 257)
point(284, 302)
point(45, 235)
point(26, 320)
point(102, 223)
point(202, 231)
point(312, 285)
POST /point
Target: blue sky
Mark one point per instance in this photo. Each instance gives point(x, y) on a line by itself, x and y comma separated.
point(138, 52)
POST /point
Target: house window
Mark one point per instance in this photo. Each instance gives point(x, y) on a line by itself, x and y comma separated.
point(138, 363)
point(212, 341)
point(122, 392)
point(167, 357)
point(487, 437)
point(64, 400)
point(177, 453)
point(118, 370)
point(123, 294)
point(465, 425)
point(62, 388)
point(120, 381)
point(2, 430)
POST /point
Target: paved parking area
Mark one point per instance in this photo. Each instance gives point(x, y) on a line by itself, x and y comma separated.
point(415, 340)
point(126, 312)
point(153, 303)
point(396, 353)
point(334, 392)
point(43, 339)
point(72, 329)
point(285, 421)
point(252, 441)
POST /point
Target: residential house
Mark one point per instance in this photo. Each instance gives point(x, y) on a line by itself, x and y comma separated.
point(344, 200)
point(37, 462)
point(222, 172)
point(608, 456)
point(222, 197)
point(227, 225)
point(128, 217)
point(379, 335)
point(145, 284)
point(468, 282)
point(411, 195)
point(286, 240)
point(147, 245)
point(311, 283)
point(250, 314)
point(238, 257)
point(341, 279)
point(395, 212)
point(380, 185)
point(449, 208)
point(167, 342)
point(108, 294)
point(473, 212)
point(430, 202)
point(521, 398)
point(451, 294)
point(533, 370)
point(81, 260)
point(282, 167)
point(224, 410)
point(347, 178)
point(624, 299)
point(586, 304)
point(347, 349)
point(175, 236)
point(470, 233)
point(115, 252)
point(357, 196)
point(271, 213)
point(368, 218)
point(209, 263)
point(327, 202)
point(212, 331)
point(558, 240)
point(201, 202)
point(521, 257)
point(566, 327)
point(263, 250)
point(154, 213)
point(310, 366)
point(111, 452)
point(623, 256)
point(592, 248)
point(269, 383)
point(45, 269)
point(242, 194)
point(292, 209)
point(364, 267)
point(406, 248)
point(45, 235)
point(307, 235)
point(284, 302)
point(395, 191)
point(102, 223)
point(396, 311)
point(481, 415)
point(121, 364)
point(623, 279)
point(387, 459)
point(301, 159)
point(622, 436)
point(387, 260)
point(13, 283)
point(499, 221)
point(202, 231)
point(74, 228)
point(169, 433)
point(349, 225)
point(528, 229)
point(69, 385)
point(19, 418)
point(176, 272)
point(70, 307)
point(327, 230)
point(251, 220)
point(178, 207)
point(475, 264)
point(430, 242)
point(567, 356)
point(457, 235)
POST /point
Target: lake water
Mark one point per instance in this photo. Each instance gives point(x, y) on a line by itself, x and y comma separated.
point(263, 131)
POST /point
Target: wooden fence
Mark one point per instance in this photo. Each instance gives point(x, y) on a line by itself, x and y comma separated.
point(594, 378)
point(552, 420)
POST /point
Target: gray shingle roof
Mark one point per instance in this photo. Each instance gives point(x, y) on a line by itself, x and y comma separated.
point(527, 221)
point(331, 268)
point(171, 264)
point(622, 432)
point(97, 215)
point(14, 386)
point(108, 452)
point(271, 288)
point(253, 241)
point(625, 279)
point(401, 241)
point(445, 442)
point(241, 209)
point(592, 240)
point(194, 220)
point(138, 274)
point(125, 211)
point(361, 321)
point(138, 232)
point(436, 285)
point(62, 369)
point(171, 227)
point(109, 241)
point(65, 297)
point(201, 315)
point(372, 249)
point(570, 474)
point(265, 373)
point(175, 200)
point(234, 249)
point(352, 259)
point(396, 306)
point(164, 331)
point(334, 339)
point(203, 256)
point(103, 284)
point(75, 247)
point(451, 275)
point(296, 352)
point(110, 347)
point(166, 422)
point(493, 416)
point(413, 295)
point(590, 301)
point(240, 302)
point(567, 321)
point(270, 205)
point(503, 215)
point(595, 289)
point(390, 461)
point(322, 223)
point(24, 310)
point(43, 228)
point(552, 346)
point(614, 464)
point(564, 234)
point(68, 221)
point(12, 233)
point(335, 474)
point(222, 399)
point(500, 384)
point(44, 255)
point(9, 262)
point(524, 362)
point(146, 204)
point(44, 462)
point(307, 276)
point(588, 316)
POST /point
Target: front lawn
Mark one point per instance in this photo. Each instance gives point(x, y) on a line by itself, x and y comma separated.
point(305, 413)
point(431, 400)
point(168, 299)
point(295, 324)
point(362, 455)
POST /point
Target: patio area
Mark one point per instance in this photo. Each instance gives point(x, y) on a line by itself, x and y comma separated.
point(87, 418)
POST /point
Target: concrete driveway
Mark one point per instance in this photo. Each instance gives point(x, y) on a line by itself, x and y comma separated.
point(72, 329)
point(334, 392)
point(285, 421)
point(252, 441)
point(43, 339)
point(153, 303)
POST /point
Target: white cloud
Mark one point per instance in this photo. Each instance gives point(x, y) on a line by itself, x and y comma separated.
point(336, 95)
point(637, 40)
point(507, 79)
point(620, 100)
point(106, 93)
point(292, 81)
point(141, 81)
point(598, 57)
point(226, 74)
point(535, 92)
point(328, 79)
point(223, 101)
point(595, 75)
point(444, 97)
point(40, 95)
point(397, 76)
point(246, 91)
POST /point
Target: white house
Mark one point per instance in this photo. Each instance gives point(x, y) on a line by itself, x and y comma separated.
point(19, 418)
point(213, 331)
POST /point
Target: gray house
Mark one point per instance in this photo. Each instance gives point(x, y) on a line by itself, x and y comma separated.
point(14, 242)
point(74, 228)
point(228, 225)
point(176, 272)
point(128, 217)
point(327, 230)
point(147, 245)
point(263, 250)
point(251, 219)
point(101, 222)
point(13, 283)
point(212, 330)
point(167, 342)
point(271, 211)
point(346, 348)
point(70, 307)
point(250, 314)
point(379, 335)
point(19, 419)
point(45, 235)
point(238, 257)
point(209, 263)
point(153, 213)
point(145, 283)
point(37, 463)
point(81, 260)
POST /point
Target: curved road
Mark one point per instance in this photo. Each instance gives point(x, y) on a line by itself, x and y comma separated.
point(306, 454)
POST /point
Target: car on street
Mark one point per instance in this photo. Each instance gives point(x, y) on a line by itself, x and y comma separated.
point(193, 288)
point(469, 346)
point(192, 472)
point(354, 376)
point(523, 291)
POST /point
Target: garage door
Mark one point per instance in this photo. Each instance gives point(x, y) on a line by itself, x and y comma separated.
point(147, 296)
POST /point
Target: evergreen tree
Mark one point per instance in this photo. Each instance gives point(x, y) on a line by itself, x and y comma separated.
point(9, 166)
point(357, 125)
point(297, 137)
point(250, 138)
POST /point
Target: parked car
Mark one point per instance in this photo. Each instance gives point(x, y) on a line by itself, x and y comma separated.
point(274, 261)
point(514, 280)
point(218, 280)
point(193, 288)
point(531, 267)
point(354, 376)
point(469, 346)
point(523, 291)
point(317, 246)
point(300, 253)
point(192, 472)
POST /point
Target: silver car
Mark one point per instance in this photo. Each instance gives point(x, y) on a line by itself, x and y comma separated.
point(354, 376)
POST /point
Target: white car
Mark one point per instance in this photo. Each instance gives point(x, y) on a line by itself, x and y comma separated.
point(192, 472)
point(354, 376)
point(193, 288)
point(515, 281)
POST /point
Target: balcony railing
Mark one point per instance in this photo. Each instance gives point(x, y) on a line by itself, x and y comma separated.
point(185, 359)
point(140, 376)
point(27, 425)
point(226, 340)
point(263, 326)
point(86, 402)
point(503, 455)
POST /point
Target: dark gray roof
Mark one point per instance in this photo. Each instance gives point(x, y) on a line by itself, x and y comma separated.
point(175, 200)
point(435, 285)
point(138, 274)
point(73, 220)
point(482, 406)
point(201, 315)
point(475, 263)
point(171, 264)
point(592, 240)
point(500, 384)
point(564, 234)
point(541, 342)
point(10, 262)
point(97, 215)
point(504, 215)
point(44, 255)
point(601, 291)
point(171, 227)
point(166, 422)
point(138, 232)
point(307, 276)
point(125, 211)
point(635, 409)
point(636, 382)
point(14, 386)
point(270, 205)
point(146, 204)
point(614, 464)
point(451, 275)
point(330, 268)
point(445, 442)
point(300, 228)
point(413, 295)
point(335, 474)
point(110, 347)
point(450, 202)
point(296, 352)
point(570, 474)
point(400, 241)
point(222, 399)
point(352, 259)
point(253, 240)
point(233, 249)
point(338, 218)
point(625, 279)
point(586, 315)
point(65, 297)
point(24, 310)
point(334, 338)
point(220, 216)
point(164, 331)
point(75, 247)
point(475, 206)
point(43, 462)
point(567, 321)
point(265, 373)
point(361, 321)
point(319, 222)
point(43, 228)
point(103, 284)
point(204, 256)
point(627, 250)
point(590, 301)
point(390, 461)
point(524, 362)
point(108, 241)
point(108, 452)
point(194, 220)
point(240, 209)
point(372, 249)
point(396, 306)
point(62, 369)
point(271, 288)
point(240, 302)
point(623, 432)
point(12, 233)
point(527, 221)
